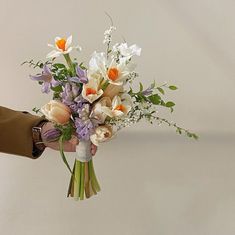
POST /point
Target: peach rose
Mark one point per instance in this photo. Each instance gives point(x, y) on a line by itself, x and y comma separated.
point(102, 134)
point(57, 112)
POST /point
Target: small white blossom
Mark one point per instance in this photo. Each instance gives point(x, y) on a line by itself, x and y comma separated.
point(108, 35)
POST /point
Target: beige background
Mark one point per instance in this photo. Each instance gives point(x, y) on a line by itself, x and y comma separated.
point(153, 182)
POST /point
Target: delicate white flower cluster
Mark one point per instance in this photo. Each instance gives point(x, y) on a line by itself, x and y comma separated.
point(138, 112)
point(132, 76)
point(108, 35)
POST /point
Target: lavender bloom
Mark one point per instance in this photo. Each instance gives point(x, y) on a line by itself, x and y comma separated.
point(71, 97)
point(81, 76)
point(84, 128)
point(85, 125)
point(47, 79)
point(71, 91)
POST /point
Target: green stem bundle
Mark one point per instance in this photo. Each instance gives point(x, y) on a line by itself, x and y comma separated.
point(83, 182)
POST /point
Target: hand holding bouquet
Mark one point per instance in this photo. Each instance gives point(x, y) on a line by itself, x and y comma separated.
point(94, 101)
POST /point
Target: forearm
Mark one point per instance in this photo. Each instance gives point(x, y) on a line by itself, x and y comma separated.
point(16, 132)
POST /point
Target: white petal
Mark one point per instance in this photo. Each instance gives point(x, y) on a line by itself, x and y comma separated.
point(68, 51)
point(94, 140)
point(98, 63)
point(107, 111)
point(78, 48)
point(117, 82)
point(116, 101)
point(113, 64)
point(135, 50)
point(117, 113)
point(50, 45)
point(57, 39)
point(68, 42)
point(128, 108)
point(53, 54)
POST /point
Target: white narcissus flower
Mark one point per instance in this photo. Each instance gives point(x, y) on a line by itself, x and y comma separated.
point(102, 134)
point(126, 51)
point(97, 111)
point(115, 73)
point(91, 91)
point(62, 46)
point(120, 106)
point(97, 64)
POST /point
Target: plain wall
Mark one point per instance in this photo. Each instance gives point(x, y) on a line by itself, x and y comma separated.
point(154, 182)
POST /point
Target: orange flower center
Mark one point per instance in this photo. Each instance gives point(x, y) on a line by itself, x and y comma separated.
point(61, 44)
point(90, 91)
point(121, 107)
point(113, 74)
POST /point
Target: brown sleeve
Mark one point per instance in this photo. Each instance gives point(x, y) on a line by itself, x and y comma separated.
point(16, 132)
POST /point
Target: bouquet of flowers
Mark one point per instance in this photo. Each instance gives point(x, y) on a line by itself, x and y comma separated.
point(93, 101)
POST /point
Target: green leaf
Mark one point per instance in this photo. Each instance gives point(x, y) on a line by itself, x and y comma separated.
point(162, 103)
point(57, 89)
point(178, 130)
point(59, 66)
point(153, 84)
point(161, 90)
point(170, 104)
point(155, 99)
point(36, 110)
point(195, 136)
point(189, 134)
point(81, 65)
point(172, 87)
point(56, 96)
point(141, 87)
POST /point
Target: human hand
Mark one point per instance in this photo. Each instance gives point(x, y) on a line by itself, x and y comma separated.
point(68, 146)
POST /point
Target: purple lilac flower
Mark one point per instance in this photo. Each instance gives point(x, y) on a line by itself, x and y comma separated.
point(71, 96)
point(46, 78)
point(84, 128)
point(81, 76)
point(85, 125)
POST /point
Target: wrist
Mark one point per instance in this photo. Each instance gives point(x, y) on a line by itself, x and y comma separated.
point(38, 144)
